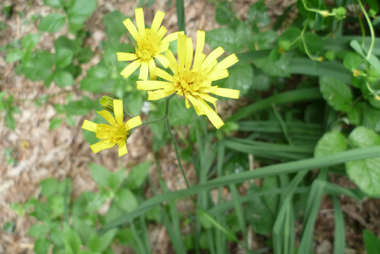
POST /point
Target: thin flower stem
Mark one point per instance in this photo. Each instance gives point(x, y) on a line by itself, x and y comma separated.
point(370, 28)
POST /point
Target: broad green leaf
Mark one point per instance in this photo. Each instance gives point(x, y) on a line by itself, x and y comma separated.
point(100, 243)
point(330, 143)
point(179, 115)
point(125, 236)
point(31, 40)
point(258, 214)
point(356, 46)
point(263, 40)
point(371, 242)
point(258, 15)
point(81, 107)
point(126, 200)
point(99, 174)
point(224, 14)
point(63, 78)
point(240, 78)
point(375, 63)
point(65, 43)
point(375, 6)
point(84, 230)
point(291, 37)
point(56, 4)
point(97, 80)
point(225, 38)
point(365, 173)
point(113, 22)
point(115, 179)
point(15, 55)
point(57, 204)
point(39, 67)
point(38, 230)
point(63, 57)
point(278, 68)
point(65, 186)
point(313, 43)
point(52, 22)
point(352, 61)
point(84, 55)
point(78, 11)
point(55, 123)
point(243, 34)
point(137, 175)
point(49, 186)
point(261, 82)
point(71, 238)
point(41, 246)
point(134, 98)
point(336, 93)
point(10, 122)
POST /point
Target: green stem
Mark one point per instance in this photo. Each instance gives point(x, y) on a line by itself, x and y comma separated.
point(370, 28)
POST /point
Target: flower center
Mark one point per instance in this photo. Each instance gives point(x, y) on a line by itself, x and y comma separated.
point(188, 81)
point(148, 45)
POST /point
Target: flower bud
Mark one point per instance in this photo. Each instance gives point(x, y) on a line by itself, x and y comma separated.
point(340, 13)
point(372, 76)
point(284, 45)
point(107, 103)
point(330, 55)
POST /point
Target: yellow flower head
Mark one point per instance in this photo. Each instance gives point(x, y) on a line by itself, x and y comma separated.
point(193, 79)
point(114, 134)
point(150, 45)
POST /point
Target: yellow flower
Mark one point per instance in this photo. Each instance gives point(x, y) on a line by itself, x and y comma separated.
point(193, 79)
point(150, 45)
point(114, 134)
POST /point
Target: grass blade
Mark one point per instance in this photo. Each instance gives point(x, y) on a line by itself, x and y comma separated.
point(181, 16)
point(289, 167)
point(340, 239)
point(298, 95)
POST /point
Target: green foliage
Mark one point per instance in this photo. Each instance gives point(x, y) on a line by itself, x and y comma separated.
point(297, 105)
point(52, 23)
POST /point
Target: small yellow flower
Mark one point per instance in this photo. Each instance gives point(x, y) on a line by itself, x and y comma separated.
point(193, 79)
point(114, 134)
point(356, 73)
point(150, 45)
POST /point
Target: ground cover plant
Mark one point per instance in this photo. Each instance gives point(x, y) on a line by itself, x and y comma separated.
point(310, 114)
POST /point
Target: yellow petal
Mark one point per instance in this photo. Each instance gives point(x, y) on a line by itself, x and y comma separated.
point(130, 68)
point(152, 70)
point(152, 85)
point(212, 57)
point(156, 95)
point(133, 123)
point(216, 75)
point(157, 21)
point(163, 60)
point(126, 56)
point(171, 37)
point(122, 149)
point(181, 50)
point(161, 32)
point(139, 14)
point(227, 62)
point(196, 105)
point(88, 125)
point(172, 61)
point(189, 53)
point(144, 71)
point(118, 111)
point(163, 74)
point(101, 145)
point(108, 116)
point(210, 113)
point(226, 92)
point(163, 48)
point(199, 48)
point(131, 28)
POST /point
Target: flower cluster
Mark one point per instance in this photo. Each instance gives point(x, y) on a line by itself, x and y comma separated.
point(192, 78)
